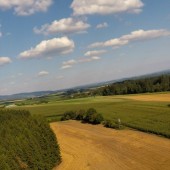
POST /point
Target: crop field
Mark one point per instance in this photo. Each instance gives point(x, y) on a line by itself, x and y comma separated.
point(145, 112)
point(93, 147)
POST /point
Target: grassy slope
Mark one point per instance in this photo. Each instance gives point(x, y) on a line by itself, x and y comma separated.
point(144, 115)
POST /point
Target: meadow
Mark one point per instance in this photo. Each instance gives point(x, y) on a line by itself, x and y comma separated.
point(134, 111)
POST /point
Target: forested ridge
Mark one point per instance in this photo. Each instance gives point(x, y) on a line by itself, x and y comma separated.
point(26, 142)
point(144, 85)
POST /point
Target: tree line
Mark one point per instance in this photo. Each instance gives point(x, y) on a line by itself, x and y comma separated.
point(144, 85)
point(86, 116)
point(27, 142)
point(91, 116)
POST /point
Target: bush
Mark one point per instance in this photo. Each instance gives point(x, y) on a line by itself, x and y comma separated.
point(113, 124)
point(69, 115)
point(89, 116)
point(96, 118)
point(80, 114)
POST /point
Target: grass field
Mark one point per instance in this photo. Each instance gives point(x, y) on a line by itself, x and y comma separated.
point(145, 112)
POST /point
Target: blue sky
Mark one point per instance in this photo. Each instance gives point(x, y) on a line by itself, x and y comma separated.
point(56, 44)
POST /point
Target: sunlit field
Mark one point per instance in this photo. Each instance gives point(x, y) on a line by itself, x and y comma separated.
point(151, 116)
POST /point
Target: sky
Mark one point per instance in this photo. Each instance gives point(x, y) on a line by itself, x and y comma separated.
point(58, 44)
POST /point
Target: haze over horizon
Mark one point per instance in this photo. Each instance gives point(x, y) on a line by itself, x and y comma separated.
point(50, 45)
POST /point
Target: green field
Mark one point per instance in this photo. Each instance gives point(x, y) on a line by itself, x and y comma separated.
point(151, 116)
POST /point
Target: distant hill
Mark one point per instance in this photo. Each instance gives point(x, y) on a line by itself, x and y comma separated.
point(99, 84)
point(83, 87)
point(25, 95)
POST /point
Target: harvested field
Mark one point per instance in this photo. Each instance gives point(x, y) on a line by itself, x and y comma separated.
point(149, 97)
point(93, 147)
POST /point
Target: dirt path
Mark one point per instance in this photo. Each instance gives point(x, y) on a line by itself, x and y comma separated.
point(89, 147)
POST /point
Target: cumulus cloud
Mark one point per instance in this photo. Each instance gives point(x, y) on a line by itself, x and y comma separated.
point(5, 60)
point(66, 66)
point(102, 25)
point(43, 73)
point(139, 35)
point(89, 56)
point(105, 7)
point(94, 53)
point(49, 48)
point(70, 63)
point(25, 7)
point(64, 26)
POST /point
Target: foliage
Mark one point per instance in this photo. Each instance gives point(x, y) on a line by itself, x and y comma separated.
point(27, 142)
point(152, 84)
point(113, 124)
point(32, 101)
point(89, 116)
point(68, 115)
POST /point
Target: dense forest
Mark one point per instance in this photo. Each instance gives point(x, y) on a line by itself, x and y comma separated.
point(144, 85)
point(26, 142)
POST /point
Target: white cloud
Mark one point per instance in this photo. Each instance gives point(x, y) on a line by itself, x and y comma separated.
point(5, 60)
point(26, 7)
point(68, 64)
point(105, 7)
point(49, 48)
point(94, 53)
point(64, 26)
point(89, 56)
point(102, 25)
point(139, 35)
point(43, 73)
point(89, 59)
point(95, 58)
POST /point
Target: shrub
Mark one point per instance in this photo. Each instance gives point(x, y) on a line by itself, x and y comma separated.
point(113, 124)
point(96, 118)
point(89, 116)
point(80, 114)
point(69, 115)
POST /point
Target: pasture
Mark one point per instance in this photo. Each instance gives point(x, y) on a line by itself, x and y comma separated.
point(145, 112)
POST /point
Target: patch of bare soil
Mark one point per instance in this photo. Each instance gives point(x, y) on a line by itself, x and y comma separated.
point(93, 147)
